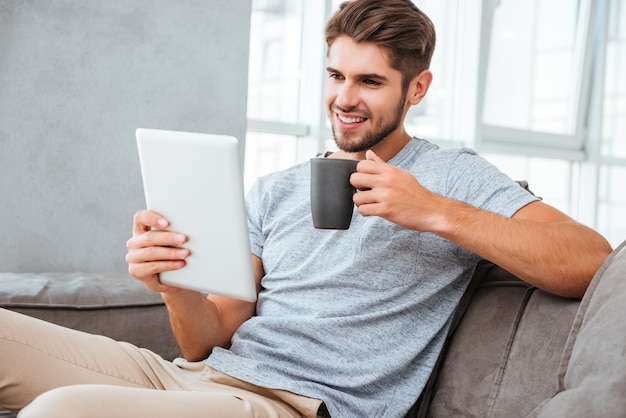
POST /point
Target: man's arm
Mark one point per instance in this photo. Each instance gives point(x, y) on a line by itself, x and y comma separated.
point(198, 323)
point(539, 244)
point(201, 323)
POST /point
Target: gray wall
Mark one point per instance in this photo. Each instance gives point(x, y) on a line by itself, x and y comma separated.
point(77, 77)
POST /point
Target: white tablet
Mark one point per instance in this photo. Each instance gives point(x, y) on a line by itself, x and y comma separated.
point(195, 181)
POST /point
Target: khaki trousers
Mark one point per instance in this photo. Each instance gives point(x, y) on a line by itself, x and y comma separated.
point(50, 371)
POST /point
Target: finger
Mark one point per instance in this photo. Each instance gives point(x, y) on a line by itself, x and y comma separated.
point(369, 209)
point(143, 271)
point(368, 171)
point(371, 156)
point(145, 220)
point(365, 197)
point(373, 164)
point(156, 238)
point(368, 167)
point(150, 254)
point(375, 207)
point(148, 273)
point(362, 182)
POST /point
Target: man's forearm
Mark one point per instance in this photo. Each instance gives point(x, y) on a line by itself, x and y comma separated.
point(196, 324)
point(539, 244)
point(201, 323)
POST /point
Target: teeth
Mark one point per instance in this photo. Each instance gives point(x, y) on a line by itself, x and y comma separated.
point(350, 120)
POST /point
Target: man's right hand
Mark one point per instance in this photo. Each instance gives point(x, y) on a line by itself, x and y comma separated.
point(153, 250)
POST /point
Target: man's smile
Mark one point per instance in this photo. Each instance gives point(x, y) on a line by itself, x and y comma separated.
point(350, 120)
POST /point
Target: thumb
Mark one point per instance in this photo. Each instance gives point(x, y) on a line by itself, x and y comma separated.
point(371, 156)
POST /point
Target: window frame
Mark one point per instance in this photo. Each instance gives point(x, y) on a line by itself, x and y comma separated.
point(574, 146)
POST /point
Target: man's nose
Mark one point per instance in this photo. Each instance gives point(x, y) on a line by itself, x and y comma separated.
point(347, 96)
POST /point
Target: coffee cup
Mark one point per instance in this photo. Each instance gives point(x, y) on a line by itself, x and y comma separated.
point(331, 192)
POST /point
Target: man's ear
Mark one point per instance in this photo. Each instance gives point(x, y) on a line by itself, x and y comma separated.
point(419, 87)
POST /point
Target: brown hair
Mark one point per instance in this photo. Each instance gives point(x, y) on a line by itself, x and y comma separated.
point(398, 26)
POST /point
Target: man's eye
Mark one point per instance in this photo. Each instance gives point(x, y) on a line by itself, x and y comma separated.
point(372, 82)
point(335, 76)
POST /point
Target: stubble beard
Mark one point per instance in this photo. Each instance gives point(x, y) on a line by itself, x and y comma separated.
point(350, 143)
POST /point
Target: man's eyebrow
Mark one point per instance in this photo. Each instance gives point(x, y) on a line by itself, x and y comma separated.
point(368, 76)
point(373, 76)
point(332, 70)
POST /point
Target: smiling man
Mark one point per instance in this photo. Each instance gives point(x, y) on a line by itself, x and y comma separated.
point(347, 323)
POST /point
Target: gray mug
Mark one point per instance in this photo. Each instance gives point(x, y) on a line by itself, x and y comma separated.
point(331, 192)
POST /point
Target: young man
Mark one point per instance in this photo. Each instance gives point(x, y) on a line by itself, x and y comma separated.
point(347, 322)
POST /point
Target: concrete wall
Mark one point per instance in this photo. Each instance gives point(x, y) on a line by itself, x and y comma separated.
point(77, 77)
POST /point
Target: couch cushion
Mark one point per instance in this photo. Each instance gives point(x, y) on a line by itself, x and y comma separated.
point(503, 359)
point(111, 304)
point(592, 381)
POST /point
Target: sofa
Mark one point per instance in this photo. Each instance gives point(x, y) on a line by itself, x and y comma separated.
point(512, 351)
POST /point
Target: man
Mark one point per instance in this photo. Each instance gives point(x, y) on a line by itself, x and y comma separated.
point(347, 323)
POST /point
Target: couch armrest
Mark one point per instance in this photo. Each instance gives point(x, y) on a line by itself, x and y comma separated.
point(111, 304)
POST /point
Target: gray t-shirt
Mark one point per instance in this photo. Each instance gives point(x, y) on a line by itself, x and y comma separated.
point(357, 317)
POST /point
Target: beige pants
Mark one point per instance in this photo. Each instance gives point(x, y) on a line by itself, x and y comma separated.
point(51, 371)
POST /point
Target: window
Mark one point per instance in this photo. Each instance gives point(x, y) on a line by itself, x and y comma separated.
point(613, 136)
point(535, 73)
point(275, 56)
point(612, 155)
point(445, 115)
point(285, 121)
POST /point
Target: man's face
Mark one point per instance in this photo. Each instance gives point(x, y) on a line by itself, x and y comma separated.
point(363, 95)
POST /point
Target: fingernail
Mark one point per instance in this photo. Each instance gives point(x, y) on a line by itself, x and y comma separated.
point(162, 223)
point(179, 238)
point(181, 253)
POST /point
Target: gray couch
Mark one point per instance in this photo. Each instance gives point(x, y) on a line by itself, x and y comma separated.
point(518, 351)
point(514, 350)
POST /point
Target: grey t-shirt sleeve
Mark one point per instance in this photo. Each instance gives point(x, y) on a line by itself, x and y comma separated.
point(253, 207)
point(474, 180)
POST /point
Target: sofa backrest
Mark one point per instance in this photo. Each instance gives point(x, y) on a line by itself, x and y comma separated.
point(77, 79)
point(592, 375)
point(503, 359)
point(521, 352)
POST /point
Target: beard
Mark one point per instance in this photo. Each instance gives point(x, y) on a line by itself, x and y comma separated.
point(349, 142)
